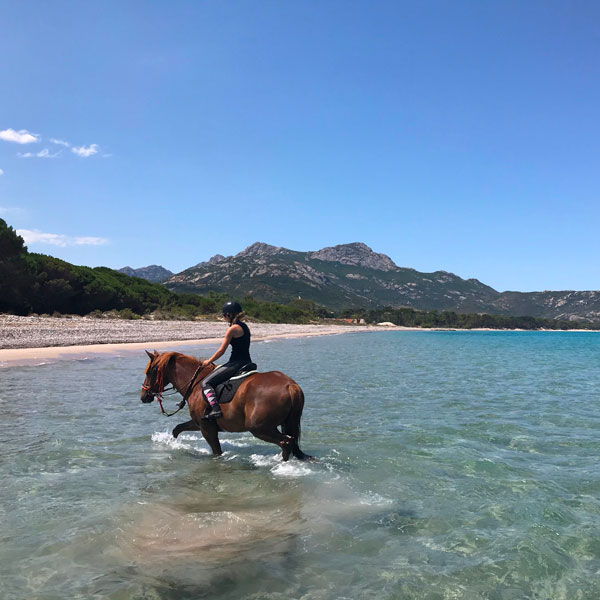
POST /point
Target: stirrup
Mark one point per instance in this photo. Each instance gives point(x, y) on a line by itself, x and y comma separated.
point(215, 413)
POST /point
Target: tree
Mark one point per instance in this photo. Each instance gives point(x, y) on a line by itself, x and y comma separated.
point(16, 277)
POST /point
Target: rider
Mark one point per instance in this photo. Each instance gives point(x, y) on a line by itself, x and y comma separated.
point(238, 335)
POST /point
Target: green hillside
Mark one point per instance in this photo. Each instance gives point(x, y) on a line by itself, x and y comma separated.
point(44, 284)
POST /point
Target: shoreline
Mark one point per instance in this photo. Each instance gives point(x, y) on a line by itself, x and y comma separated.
point(34, 340)
point(14, 357)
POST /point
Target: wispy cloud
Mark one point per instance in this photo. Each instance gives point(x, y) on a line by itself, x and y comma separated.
point(60, 142)
point(90, 241)
point(56, 239)
point(25, 137)
point(1, 172)
point(20, 137)
point(45, 153)
point(84, 151)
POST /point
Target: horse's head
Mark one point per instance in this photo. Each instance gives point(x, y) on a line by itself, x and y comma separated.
point(156, 378)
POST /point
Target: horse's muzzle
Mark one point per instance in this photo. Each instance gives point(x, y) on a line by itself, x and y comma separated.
point(146, 396)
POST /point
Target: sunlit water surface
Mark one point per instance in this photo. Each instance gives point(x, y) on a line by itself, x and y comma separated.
point(451, 465)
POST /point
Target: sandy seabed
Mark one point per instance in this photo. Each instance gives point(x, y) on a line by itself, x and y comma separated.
point(27, 340)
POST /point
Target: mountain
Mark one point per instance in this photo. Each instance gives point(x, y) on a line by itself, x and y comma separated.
point(353, 275)
point(211, 261)
point(567, 305)
point(153, 273)
point(348, 275)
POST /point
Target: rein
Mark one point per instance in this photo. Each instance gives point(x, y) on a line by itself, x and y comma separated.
point(159, 394)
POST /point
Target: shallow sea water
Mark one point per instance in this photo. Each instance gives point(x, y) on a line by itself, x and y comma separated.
point(451, 465)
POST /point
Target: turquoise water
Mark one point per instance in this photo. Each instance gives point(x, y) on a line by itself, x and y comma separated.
point(451, 465)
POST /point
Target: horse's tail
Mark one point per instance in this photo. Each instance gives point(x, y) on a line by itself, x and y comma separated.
point(291, 426)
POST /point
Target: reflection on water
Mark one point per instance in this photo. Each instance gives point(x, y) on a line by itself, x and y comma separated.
point(476, 477)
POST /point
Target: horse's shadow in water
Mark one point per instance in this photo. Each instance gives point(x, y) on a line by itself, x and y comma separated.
point(204, 544)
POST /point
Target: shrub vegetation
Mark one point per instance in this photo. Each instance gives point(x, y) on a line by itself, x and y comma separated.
point(409, 317)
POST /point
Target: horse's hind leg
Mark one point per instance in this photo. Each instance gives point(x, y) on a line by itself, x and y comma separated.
point(271, 434)
point(299, 454)
point(187, 426)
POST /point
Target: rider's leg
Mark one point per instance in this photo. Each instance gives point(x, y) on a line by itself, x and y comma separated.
point(209, 383)
point(215, 410)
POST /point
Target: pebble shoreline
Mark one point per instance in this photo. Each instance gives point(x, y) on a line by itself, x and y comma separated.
point(43, 332)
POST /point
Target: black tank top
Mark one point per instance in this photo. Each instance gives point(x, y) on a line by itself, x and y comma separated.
point(240, 347)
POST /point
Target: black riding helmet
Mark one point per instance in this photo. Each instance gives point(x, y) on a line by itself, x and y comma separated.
point(231, 308)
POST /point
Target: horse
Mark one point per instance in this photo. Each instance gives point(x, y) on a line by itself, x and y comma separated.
point(262, 403)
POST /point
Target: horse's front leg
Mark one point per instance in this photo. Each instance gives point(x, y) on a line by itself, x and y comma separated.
point(210, 431)
point(187, 426)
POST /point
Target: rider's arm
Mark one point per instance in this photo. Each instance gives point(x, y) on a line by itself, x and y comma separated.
point(233, 331)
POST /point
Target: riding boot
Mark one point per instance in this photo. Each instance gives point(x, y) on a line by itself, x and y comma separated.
point(215, 410)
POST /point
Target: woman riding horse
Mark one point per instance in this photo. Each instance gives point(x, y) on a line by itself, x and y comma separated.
point(238, 336)
point(263, 403)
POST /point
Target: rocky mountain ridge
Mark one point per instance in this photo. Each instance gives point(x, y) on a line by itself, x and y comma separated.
point(353, 275)
point(153, 273)
point(356, 253)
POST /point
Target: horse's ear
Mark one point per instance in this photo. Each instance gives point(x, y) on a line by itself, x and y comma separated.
point(151, 356)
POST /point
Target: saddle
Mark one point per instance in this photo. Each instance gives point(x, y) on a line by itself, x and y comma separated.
point(226, 391)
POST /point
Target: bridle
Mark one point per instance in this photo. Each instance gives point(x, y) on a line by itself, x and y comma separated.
point(161, 389)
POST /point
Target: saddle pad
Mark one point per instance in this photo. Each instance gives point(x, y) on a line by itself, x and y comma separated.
point(226, 391)
point(242, 375)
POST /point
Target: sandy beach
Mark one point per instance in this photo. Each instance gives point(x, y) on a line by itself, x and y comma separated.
point(29, 340)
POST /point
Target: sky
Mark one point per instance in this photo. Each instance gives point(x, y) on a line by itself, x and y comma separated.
point(450, 135)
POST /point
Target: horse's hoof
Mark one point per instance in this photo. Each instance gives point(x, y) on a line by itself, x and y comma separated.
point(286, 447)
point(305, 457)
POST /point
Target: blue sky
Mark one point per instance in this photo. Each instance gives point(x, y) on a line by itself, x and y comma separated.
point(455, 135)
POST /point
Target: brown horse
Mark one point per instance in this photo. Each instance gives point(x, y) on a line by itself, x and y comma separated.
point(263, 402)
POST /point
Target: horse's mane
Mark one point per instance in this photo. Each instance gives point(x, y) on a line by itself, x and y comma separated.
point(162, 360)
